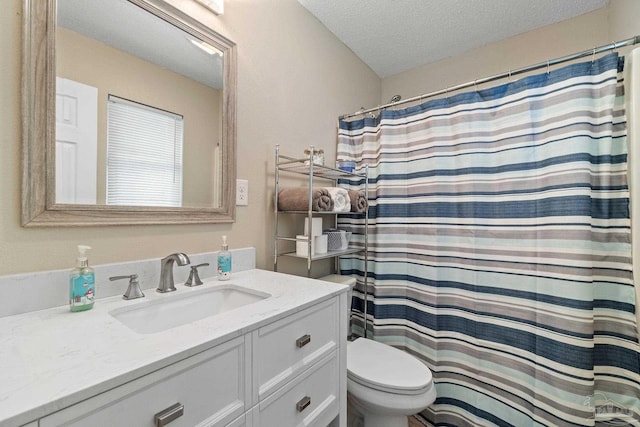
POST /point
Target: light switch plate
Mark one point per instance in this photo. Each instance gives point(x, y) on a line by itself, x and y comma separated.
point(242, 192)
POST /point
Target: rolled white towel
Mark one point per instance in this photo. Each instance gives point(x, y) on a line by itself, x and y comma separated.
point(341, 200)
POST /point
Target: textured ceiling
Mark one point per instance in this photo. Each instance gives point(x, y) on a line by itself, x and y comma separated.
point(392, 36)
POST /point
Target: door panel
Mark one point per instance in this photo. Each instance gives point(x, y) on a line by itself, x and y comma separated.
point(76, 142)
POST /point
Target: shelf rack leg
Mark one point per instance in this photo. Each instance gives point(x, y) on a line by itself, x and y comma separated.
point(275, 208)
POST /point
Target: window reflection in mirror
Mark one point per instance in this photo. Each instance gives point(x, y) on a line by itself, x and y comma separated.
point(144, 155)
point(116, 48)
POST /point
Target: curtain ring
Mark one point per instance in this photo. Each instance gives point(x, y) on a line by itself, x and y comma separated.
point(614, 46)
point(548, 67)
point(593, 56)
point(475, 84)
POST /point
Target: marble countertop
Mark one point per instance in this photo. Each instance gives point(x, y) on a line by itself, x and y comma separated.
point(51, 359)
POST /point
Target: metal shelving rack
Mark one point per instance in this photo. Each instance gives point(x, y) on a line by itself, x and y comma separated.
point(305, 166)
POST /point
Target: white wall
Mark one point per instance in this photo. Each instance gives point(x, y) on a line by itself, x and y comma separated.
point(294, 79)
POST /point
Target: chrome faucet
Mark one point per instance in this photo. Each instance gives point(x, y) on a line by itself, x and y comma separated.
point(166, 271)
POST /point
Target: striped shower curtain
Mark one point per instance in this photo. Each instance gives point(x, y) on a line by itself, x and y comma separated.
point(500, 250)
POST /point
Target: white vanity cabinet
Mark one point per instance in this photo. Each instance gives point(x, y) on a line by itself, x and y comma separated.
point(289, 372)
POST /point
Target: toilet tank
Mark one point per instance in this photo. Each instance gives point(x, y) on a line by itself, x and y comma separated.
point(343, 280)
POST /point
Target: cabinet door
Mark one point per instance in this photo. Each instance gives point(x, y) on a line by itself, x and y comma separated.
point(287, 347)
point(210, 385)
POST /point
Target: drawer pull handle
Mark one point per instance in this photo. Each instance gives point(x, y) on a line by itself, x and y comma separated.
point(164, 417)
point(303, 403)
point(303, 340)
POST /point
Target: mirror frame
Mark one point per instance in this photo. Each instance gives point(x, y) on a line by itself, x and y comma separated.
point(38, 129)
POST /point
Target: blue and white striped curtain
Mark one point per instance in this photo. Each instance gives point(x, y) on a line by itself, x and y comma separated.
point(500, 250)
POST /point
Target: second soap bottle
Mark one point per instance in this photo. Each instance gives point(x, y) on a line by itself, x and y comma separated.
point(224, 261)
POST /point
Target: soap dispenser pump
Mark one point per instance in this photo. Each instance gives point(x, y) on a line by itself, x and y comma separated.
point(82, 288)
point(224, 261)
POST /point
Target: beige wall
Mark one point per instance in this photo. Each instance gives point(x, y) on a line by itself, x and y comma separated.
point(620, 20)
point(114, 72)
point(624, 19)
point(294, 79)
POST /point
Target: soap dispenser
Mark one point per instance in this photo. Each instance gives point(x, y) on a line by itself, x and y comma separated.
point(224, 261)
point(82, 288)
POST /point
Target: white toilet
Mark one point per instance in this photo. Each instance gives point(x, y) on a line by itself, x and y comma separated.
point(384, 385)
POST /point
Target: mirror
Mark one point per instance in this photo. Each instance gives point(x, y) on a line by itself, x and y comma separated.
point(153, 79)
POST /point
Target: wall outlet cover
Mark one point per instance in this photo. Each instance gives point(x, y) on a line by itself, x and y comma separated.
point(242, 192)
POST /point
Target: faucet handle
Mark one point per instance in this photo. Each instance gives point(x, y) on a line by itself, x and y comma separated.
point(194, 277)
point(133, 291)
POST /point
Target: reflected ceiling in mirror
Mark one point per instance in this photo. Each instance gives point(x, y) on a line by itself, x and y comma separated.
point(129, 28)
point(174, 77)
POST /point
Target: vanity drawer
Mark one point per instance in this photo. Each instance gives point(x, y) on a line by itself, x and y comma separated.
point(211, 385)
point(309, 400)
point(285, 348)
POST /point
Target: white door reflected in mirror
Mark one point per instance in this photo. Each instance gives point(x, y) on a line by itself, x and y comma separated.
point(76, 142)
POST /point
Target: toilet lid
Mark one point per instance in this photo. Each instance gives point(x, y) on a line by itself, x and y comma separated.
point(383, 367)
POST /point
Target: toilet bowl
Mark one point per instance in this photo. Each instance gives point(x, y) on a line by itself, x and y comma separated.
point(385, 385)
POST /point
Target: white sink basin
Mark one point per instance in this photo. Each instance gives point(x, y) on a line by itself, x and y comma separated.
point(177, 309)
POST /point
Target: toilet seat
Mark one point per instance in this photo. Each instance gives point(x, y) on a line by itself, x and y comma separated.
point(385, 368)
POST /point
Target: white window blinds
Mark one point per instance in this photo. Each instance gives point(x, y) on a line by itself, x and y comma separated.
point(144, 155)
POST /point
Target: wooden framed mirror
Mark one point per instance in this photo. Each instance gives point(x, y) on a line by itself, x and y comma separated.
point(81, 76)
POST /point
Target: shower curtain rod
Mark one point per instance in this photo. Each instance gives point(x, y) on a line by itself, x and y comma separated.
point(612, 46)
